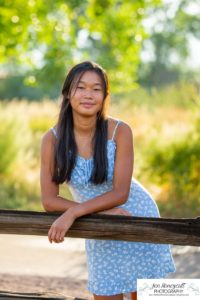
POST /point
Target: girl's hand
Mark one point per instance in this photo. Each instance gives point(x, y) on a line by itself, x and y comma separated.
point(116, 211)
point(60, 226)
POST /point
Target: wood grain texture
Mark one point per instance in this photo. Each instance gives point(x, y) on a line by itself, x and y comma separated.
point(106, 227)
point(53, 296)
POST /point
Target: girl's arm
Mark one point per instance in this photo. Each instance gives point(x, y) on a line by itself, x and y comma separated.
point(117, 196)
point(50, 190)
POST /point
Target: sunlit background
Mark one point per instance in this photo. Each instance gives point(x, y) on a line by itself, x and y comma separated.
point(150, 50)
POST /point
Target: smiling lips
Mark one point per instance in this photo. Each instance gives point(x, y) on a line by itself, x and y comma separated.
point(87, 104)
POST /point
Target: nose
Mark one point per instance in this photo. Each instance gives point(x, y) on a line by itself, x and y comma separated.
point(88, 94)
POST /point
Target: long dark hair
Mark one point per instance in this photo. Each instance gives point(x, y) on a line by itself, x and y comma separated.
point(65, 147)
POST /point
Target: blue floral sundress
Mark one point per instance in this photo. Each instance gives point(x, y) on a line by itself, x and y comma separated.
point(115, 266)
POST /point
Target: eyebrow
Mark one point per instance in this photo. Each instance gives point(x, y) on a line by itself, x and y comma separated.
point(96, 83)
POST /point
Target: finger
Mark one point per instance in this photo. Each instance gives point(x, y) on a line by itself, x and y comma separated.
point(52, 235)
point(49, 235)
point(128, 214)
point(122, 212)
point(62, 236)
point(57, 237)
point(60, 240)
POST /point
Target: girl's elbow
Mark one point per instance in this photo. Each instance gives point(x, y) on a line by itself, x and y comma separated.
point(123, 197)
point(47, 205)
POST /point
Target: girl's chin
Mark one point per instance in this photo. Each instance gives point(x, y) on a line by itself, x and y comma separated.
point(87, 113)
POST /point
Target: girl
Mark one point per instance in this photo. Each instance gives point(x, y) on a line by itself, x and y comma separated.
point(93, 153)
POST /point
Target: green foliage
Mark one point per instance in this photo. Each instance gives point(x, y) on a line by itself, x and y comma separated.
point(167, 44)
point(182, 94)
point(40, 40)
point(39, 124)
point(22, 125)
point(8, 146)
point(17, 193)
point(18, 87)
point(49, 36)
point(175, 167)
point(12, 144)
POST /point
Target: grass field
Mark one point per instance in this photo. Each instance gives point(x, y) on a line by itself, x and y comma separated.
point(166, 147)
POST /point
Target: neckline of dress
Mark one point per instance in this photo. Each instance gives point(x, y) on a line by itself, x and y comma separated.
point(91, 158)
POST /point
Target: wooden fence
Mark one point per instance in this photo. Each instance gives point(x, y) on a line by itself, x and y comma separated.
point(106, 227)
point(98, 226)
point(30, 296)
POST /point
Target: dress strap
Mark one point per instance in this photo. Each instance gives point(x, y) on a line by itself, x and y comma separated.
point(54, 132)
point(115, 129)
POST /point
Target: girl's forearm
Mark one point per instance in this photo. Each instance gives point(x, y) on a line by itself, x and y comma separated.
point(100, 203)
point(58, 204)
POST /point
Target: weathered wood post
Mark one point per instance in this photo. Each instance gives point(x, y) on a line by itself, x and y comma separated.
point(106, 227)
point(98, 226)
point(31, 296)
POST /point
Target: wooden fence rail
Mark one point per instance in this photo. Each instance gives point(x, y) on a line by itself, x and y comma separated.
point(5, 295)
point(106, 227)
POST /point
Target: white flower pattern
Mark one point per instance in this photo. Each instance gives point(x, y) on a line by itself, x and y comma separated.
point(115, 266)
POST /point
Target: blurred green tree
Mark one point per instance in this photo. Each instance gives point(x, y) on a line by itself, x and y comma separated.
point(44, 38)
point(172, 25)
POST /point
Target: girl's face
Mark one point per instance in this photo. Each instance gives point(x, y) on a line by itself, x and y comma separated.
point(87, 95)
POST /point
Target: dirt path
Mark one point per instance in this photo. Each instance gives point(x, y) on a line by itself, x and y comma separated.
point(32, 264)
point(34, 255)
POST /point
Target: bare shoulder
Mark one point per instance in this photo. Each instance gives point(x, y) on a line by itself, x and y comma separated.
point(48, 140)
point(123, 129)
